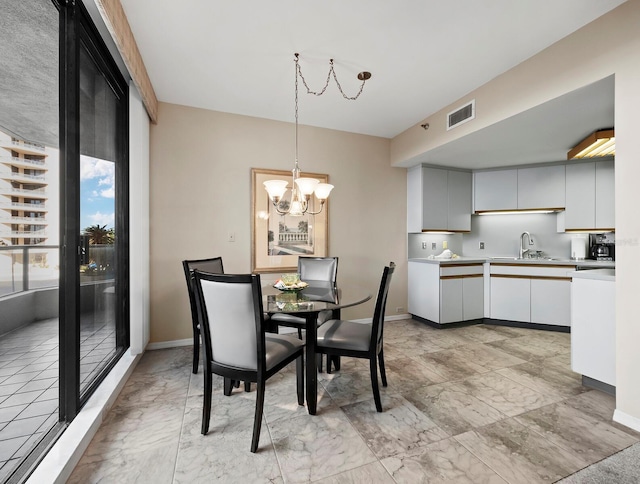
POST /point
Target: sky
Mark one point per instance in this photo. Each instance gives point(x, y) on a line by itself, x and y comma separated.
point(97, 192)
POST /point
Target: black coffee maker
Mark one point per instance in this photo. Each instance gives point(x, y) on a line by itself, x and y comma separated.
point(601, 248)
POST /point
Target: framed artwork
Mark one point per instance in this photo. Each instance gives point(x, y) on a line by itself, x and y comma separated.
point(277, 240)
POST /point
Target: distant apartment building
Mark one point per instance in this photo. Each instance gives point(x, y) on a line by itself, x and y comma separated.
point(29, 210)
point(23, 192)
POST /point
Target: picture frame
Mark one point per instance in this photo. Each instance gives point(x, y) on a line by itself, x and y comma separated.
point(277, 240)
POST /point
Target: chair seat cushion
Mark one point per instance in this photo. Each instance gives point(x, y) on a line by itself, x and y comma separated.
point(279, 347)
point(345, 335)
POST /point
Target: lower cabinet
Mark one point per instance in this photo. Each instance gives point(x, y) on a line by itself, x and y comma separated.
point(446, 293)
point(531, 294)
point(551, 302)
point(511, 298)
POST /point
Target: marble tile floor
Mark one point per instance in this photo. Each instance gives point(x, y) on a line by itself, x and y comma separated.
point(481, 404)
point(29, 365)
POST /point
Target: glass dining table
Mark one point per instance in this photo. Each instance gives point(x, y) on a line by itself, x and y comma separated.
point(307, 303)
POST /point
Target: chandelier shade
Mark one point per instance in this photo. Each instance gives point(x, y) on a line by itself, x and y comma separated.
point(303, 188)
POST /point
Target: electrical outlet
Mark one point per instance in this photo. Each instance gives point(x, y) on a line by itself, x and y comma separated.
point(399, 309)
point(433, 246)
point(445, 244)
point(424, 245)
point(482, 245)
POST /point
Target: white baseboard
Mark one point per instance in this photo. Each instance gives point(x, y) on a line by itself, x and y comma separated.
point(163, 345)
point(396, 317)
point(627, 420)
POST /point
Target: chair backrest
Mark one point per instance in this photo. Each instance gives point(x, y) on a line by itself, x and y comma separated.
point(318, 269)
point(381, 304)
point(232, 319)
point(213, 266)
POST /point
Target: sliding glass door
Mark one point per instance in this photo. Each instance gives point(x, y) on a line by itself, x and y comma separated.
point(94, 287)
point(63, 222)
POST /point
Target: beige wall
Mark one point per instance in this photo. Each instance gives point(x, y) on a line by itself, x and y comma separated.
point(200, 191)
point(609, 45)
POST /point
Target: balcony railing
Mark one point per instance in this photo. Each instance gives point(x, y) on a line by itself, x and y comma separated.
point(28, 220)
point(32, 207)
point(26, 144)
point(15, 159)
point(22, 176)
point(25, 233)
point(26, 267)
point(36, 192)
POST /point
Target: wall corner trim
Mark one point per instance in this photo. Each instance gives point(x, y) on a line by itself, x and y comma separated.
point(116, 21)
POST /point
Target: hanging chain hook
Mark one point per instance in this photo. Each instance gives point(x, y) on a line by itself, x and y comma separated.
point(362, 76)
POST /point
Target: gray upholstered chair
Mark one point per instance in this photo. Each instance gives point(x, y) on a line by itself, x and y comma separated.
point(213, 266)
point(357, 340)
point(319, 269)
point(235, 343)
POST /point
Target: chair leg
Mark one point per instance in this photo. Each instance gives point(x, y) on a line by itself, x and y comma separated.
point(373, 366)
point(319, 362)
point(383, 373)
point(196, 351)
point(328, 364)
point(257, 420)
point(299, 333)
point(300, 379)
point(228, 386)
point(206, 407)
point(247, 386)
point(336, 362)
point(236, 383)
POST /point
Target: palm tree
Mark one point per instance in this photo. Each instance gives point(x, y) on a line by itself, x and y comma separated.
point(100, 235)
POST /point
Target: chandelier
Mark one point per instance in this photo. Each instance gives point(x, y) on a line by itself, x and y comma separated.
point(302, 188)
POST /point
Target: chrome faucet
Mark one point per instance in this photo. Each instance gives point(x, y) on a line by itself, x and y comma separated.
point(524, 251)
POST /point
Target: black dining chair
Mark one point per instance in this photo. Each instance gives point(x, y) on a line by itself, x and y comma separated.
point(357, 340)
point(235, 343)
point(319, 269)
point(323, 269)
point(213, 266)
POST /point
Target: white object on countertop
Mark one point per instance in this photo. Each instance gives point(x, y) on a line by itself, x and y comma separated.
point(446, 254)
point(579, 247)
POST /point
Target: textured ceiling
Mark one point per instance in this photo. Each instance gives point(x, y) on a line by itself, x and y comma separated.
point(237, 57)
point(29, 70)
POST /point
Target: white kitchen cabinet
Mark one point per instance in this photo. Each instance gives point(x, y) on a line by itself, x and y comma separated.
point(472, 298)
point(438, 199)
point(593, 327)
point(459, 200)
point(451, 300)
point(495, 190)
point(590, 196)
point(541, 187)
point(605, 194)
point(511, 298)
point(446, 293)
point(531, 293)
point(551, 301)
point(423, 297)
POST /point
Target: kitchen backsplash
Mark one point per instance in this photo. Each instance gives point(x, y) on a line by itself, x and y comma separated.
point(501, 237)
point(415, 250)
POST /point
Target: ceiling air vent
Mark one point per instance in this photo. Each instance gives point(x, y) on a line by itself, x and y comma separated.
point(461, 115)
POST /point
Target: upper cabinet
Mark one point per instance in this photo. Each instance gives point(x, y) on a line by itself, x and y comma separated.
point(520, 189)
point(496, 190)
point(438, 200)
point(541, 187)
point(590, 193)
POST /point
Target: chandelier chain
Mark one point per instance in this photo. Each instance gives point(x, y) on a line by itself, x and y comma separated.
point(332, 72)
